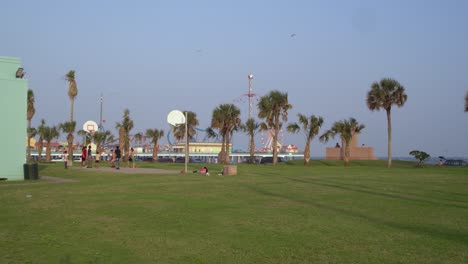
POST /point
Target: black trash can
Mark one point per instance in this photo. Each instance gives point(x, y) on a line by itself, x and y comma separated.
point(31, 171)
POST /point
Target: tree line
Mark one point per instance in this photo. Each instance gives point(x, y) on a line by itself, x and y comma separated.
point(225, 120)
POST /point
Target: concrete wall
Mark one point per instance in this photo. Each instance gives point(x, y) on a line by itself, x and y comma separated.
point(13, 109)
point(356, 153)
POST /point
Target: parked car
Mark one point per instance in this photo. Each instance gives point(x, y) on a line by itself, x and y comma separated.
point(191, 160)
point(269, 160)
point(168, 160)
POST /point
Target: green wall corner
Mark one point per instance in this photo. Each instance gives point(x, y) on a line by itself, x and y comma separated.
point(13, 107)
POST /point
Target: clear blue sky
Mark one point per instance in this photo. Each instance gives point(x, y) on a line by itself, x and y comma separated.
point(155, 56)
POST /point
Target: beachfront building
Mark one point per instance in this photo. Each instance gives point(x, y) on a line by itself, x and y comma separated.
point(200, 147)
point(357, 153)
point(13, 105)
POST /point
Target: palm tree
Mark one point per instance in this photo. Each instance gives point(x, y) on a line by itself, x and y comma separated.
point(310, 127)
point(226, 119)
point(179, 131)
point(49, 134)
point(138, 138)
point(274, 107)
point(69, 128)
point(86, 136)
point(124, 133)
point(346, 129)
point(251, 127)
point(155, 135)
point(30, 113)
point(466, 102)
point(384, 94)
point(40, 132)
point(72, 91)
point(100, 138)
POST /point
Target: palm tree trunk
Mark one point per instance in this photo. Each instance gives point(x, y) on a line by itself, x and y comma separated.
point(72, 102)
point(307, 153)
point(47, 159)
point(389, 131)
point(342, 150)
point(227, 158)
point(127, 145)
point(39, 149)
point(222, 154)
point(347, 154)
point(122, 142)
point(252, 149)
point(155, 152)
point(275, 141)
point(70, 148)
point(29, 142)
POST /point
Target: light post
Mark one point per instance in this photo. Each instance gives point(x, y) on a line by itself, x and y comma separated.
point(250, 76)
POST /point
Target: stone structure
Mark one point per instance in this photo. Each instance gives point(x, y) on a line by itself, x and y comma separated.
point(13, 107)
point(357, 153)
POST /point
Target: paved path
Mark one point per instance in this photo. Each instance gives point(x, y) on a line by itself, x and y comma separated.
point(49, 179)
point(130, 170)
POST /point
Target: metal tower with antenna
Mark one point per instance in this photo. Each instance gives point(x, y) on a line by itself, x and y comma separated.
point(250, 95)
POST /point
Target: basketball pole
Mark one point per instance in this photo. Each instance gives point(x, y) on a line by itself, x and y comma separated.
point(186, 141)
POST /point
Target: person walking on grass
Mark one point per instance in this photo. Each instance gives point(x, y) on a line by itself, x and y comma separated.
point(65, 158)
point(83, 156)
point(98, 159)
point(117, 158)
point(131, 158)
point(89, 157)
point(112, 155)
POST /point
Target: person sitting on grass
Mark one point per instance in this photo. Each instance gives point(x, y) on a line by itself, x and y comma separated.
point(203, 170)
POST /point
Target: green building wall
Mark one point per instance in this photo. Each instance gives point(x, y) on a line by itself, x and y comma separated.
point(13, 109)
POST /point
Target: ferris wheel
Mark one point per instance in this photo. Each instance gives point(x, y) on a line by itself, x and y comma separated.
point(267, 139)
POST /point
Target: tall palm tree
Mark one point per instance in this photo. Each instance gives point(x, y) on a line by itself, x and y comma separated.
point(226, 119)
point(346, 129)
point(251, 128)
point(100, 138)
point(466, 102)
point(69, 128)
point(155, 135)
point(274, 107)
point(124, 133)
point(49, 134)
point(40, 141)
point(384, 94)
point(179, 131)
point(30, 113)
point(310, 127)
point(72, 91)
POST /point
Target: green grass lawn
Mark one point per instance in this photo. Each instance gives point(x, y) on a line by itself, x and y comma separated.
point(289, 213)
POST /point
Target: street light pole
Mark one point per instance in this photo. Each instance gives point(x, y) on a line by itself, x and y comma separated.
point(250, 76)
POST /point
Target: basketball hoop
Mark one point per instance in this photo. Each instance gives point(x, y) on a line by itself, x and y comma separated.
point(90, 127)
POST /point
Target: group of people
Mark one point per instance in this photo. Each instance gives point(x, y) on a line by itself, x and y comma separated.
point(116, 154)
